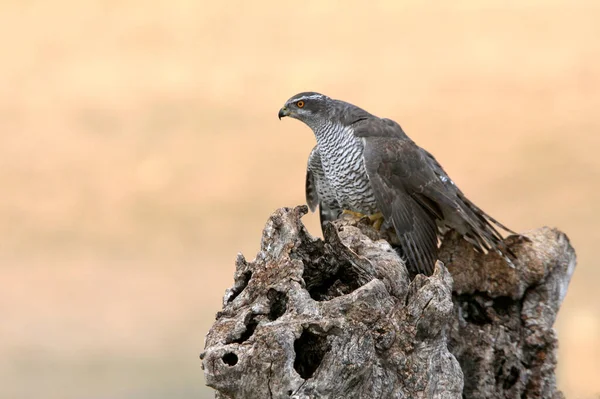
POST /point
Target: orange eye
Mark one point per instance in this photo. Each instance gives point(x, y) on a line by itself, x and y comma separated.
point(300, 104)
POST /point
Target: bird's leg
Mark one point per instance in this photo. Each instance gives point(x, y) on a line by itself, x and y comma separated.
point(357, 215)
point(377, 220)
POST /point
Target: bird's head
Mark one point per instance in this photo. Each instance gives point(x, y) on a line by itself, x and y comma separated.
point(308, 107)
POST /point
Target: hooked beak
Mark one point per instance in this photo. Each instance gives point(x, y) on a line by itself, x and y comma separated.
point(283, 112)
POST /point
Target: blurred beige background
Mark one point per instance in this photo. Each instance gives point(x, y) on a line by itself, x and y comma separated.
point(140, 151)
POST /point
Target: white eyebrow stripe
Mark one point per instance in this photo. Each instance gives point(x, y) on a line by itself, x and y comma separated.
point(311, 97)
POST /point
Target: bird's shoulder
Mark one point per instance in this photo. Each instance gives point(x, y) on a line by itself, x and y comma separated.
point(389, 152)
point(400, 161)
point(385, 141)
point(373, 127)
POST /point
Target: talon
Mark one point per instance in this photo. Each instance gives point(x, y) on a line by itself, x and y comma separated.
point(377, 220)
point(357, 215)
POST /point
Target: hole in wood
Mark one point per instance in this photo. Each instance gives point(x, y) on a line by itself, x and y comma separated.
point(325, 275)
point(325, 282)
point(277, 303)
point(503, 305)
point(511, 378)
point(310, 350)
point(473, 311)
point(230, 359)
point(251, 324)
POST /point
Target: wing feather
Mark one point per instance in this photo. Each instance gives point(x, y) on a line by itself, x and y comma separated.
point(312, 195)
point(414, 191)
point(415, 229)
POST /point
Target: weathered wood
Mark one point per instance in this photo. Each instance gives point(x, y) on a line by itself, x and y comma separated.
point(340, 318)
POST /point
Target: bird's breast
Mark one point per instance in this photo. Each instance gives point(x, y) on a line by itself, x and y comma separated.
point(345, 171)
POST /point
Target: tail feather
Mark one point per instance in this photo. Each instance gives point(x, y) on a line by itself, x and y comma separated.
point(479, 211)
point(482, 230)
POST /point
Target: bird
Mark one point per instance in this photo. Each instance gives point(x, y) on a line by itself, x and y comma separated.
point(365, 165)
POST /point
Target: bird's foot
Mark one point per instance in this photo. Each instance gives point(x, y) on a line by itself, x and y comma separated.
point(375, 219)
point(356, 215)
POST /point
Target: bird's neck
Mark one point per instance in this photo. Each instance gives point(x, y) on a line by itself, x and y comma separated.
point(332, 137)
point(338, 146)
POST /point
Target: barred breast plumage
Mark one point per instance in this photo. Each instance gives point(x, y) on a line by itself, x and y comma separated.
point(343, 165)
point(318, 190)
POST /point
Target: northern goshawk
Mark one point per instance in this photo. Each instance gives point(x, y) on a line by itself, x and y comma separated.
point(367, 165)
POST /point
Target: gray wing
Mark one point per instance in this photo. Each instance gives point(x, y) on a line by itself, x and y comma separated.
point(415, 225)
point(414, 191)
point(318, 191)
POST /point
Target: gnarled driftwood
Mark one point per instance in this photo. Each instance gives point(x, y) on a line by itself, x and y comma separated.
point(340, 318)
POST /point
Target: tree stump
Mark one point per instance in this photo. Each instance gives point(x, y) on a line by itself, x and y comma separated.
point(340, 318)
